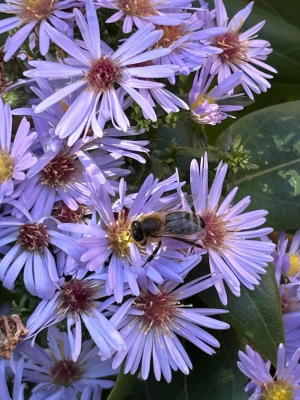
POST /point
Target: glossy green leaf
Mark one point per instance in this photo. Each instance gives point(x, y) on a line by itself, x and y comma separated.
point(287, 10)
point(256, 314)
point(213, 377)
point(272, 136)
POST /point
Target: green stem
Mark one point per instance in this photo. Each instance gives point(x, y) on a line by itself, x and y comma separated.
point(123, 385)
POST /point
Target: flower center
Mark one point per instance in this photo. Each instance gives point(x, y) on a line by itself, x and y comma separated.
point(171, 34)
point(32, 10)
point(201, 99)
point(65, 215)
point(160, 311)
point(78, 296)
point(59, 171)
point(295, 264)
point(215, 231)
point(278, 390)
point(6, 166)
point(33, 237)
point(65, 372)
point(119, 234)
point(137, 8)
point(102, 74)
point(234, 50)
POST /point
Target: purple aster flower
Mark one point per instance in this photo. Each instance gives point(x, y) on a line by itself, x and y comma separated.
point(60, 171)
point(290, 302)
point(286, 266)
point(57, 174)
point(151, 322)
point(229, 232)
point(31, 238)
point(110, 247)
point(30, 14)
point(98, 72)
point(140, 12)
point(18, 390)
point(204, 104)
point(60, 175)
point(287, 261)
point(77, 301)
point(47, 121)
point(241, 51)
point(284, 384)
point(59, 376)
point(15, 158)
point(185, 42)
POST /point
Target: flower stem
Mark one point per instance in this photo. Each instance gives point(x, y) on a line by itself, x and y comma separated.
point(123, 385)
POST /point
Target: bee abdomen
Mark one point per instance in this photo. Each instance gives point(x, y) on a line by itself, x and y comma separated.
point(189, 221)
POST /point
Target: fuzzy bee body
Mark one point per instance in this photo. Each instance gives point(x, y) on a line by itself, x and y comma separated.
point(178, 224)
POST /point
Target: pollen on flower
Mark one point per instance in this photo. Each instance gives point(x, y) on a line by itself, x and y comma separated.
point(137, 8)
point(201, 99)
point(234, 50)
point(215, 229)
point(171, 34)
point(295, 265)
point(65, 372)
point(77, 296)
point(33, 237)
point(32, 10)
point(278, 390)
point(6, 166)
point(119, 234)
point(160, 311)
point(59, 171)
point(102, 74)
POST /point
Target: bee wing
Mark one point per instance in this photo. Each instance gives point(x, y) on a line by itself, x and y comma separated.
point(180, 203)
point(182, 225)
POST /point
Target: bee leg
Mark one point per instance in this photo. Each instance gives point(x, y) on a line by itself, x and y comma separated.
point(155, 251)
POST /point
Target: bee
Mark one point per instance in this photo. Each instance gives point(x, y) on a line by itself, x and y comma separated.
point(171, 222)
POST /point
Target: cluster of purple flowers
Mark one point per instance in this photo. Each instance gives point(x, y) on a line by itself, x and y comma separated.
point(74, 247)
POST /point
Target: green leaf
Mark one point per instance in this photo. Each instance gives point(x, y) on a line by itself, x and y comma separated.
point(190, 151)
point(287, 10)
point(123, 385)
point(284, 38)
point(272, 136)
point(212, 378)
point(256, 314)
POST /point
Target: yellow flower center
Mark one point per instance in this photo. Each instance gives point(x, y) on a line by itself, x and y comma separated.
point(201, 99)
point(119, 241)
point(119, 234)
point(6, 166)
point(279, 390)
point(295, 265)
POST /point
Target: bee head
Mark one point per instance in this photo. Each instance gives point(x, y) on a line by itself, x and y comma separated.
point(136, 231)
